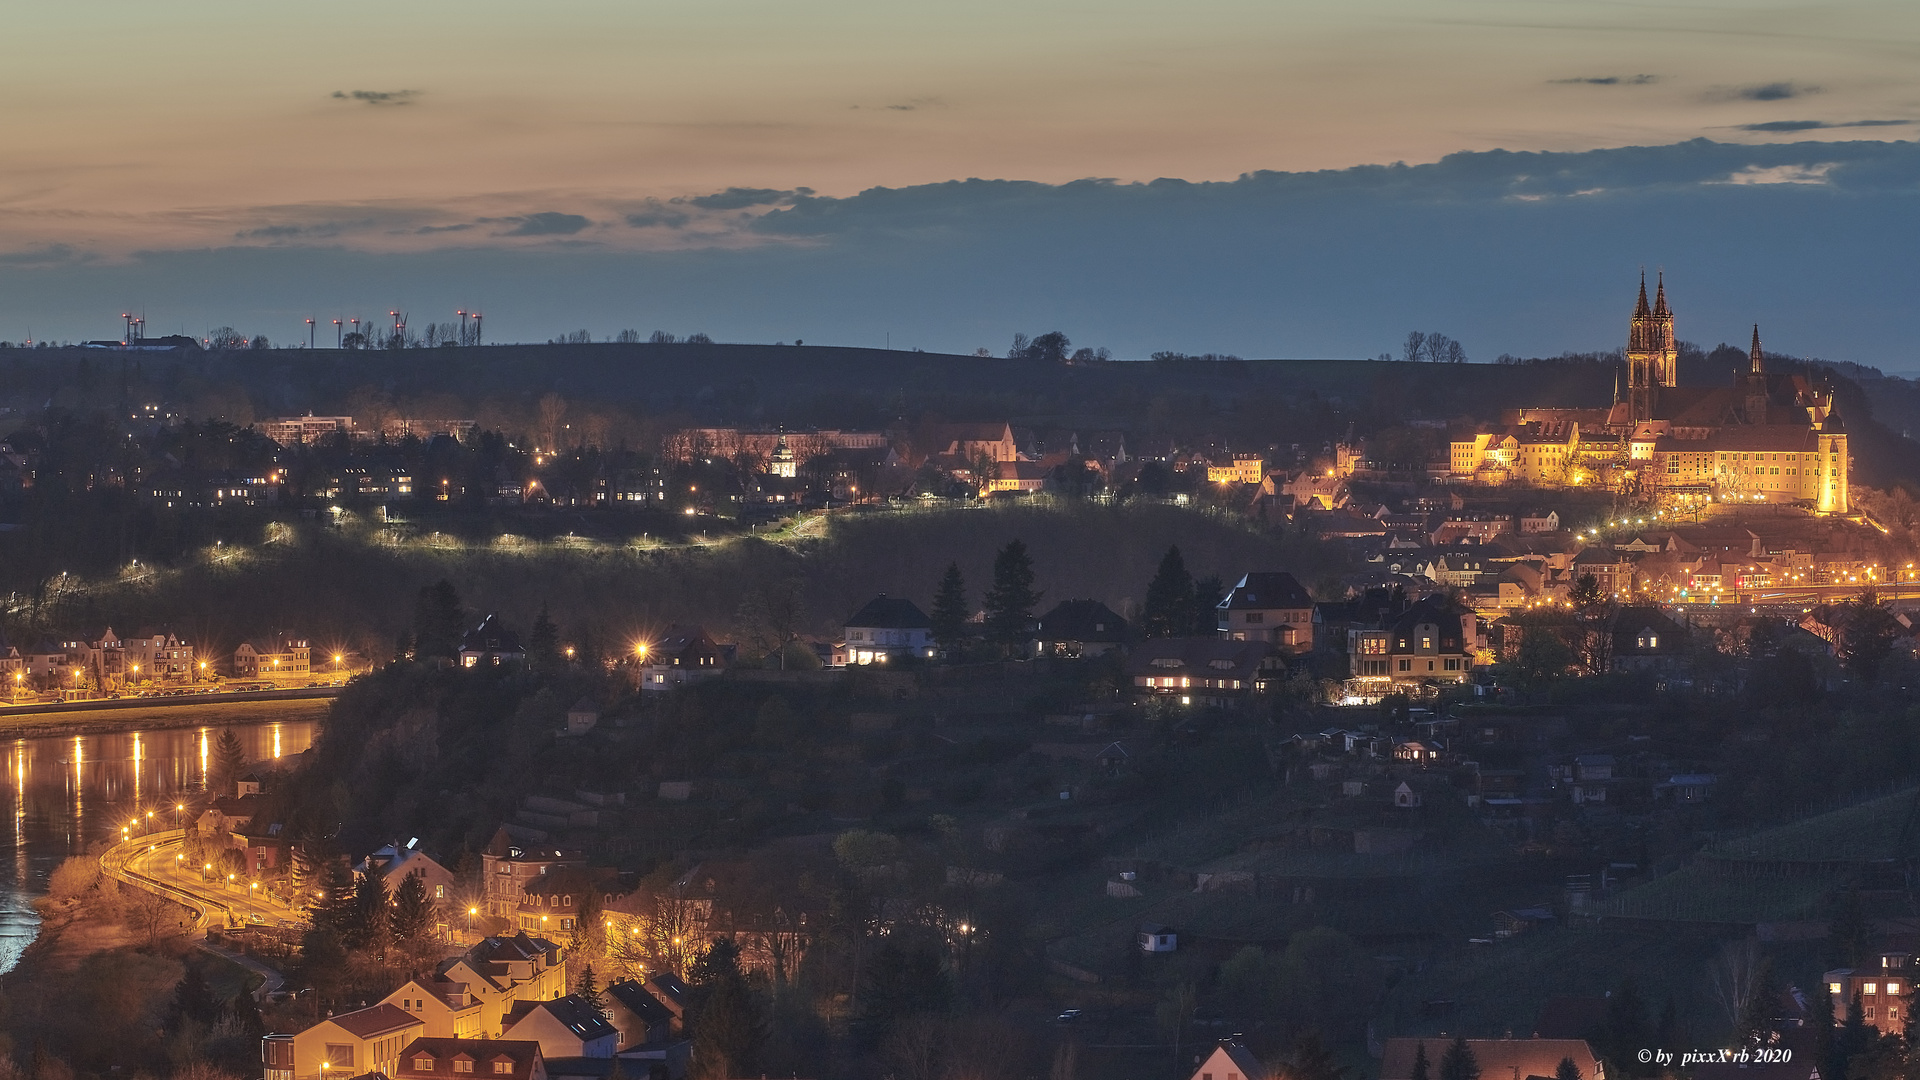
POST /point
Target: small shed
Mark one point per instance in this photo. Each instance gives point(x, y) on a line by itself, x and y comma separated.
point(1405, 797)
point(1158, 938)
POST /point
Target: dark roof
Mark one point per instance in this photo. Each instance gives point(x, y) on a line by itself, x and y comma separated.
point(491, 637)
point(671, 992)
point(639, 1001)
point(378, 1020)
point(1082, 620)
point(572, 1010)
point(890, 613)
point(1267, 589)
point(680, 641)
point(1210, 657)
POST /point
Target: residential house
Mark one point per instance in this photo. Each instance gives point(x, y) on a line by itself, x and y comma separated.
point(159, 657)
point(1076, 628)
point(639, 1017)
point(1203, 670)
point(48, 667)
point(1499, 1059)
point(565, 1027)
point(1270, 607)
point(554, 902)
point(673, 994)
point(1230, 1061)
point(98, 658)
point(442, 1058)
point(1434, 640)
point(1615, 572)
point(350, 1044)
point(277, 656)
point(226, 815)
point(449, 1009)
point(393, 862)
point(13, 666)
point(1884, 991)
point(490, 645)
point(887, 627)
point(508, 866)
point(681, 655)
point(499, 971)
point(1645, 639)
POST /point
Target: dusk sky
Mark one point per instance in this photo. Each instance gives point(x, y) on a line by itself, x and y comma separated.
point(699, 166)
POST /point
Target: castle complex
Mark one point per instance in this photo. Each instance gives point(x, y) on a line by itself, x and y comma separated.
point(1767, 437)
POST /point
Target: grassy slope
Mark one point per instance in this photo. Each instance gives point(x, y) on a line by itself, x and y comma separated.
point(345, 587)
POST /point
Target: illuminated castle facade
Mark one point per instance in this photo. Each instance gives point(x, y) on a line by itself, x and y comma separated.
point(1769, 438)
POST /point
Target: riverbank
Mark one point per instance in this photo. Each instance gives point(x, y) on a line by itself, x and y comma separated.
point(157, 714)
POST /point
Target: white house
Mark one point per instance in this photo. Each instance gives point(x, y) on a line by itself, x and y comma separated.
point(887, 628)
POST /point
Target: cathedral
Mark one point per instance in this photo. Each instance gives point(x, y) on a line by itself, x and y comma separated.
point(1765, 437)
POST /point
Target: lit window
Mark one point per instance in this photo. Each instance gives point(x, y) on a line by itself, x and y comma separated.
point(1870, 988)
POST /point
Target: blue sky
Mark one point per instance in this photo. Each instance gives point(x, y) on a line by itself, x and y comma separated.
point(764, 171)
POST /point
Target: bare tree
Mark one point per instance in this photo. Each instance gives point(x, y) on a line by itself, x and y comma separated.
point(553, 410)
point(1415, 349)
point(1734, 978)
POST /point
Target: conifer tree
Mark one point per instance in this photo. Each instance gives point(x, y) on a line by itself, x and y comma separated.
point(229, 761)
point(1009, 604)
point(1168, 610)
point(1421, 1069)
point(413, 910)
point(1458, 1063)
point(950, 614)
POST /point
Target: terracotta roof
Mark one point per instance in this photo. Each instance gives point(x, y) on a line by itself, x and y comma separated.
point(523, 1054)
point(377, 1020)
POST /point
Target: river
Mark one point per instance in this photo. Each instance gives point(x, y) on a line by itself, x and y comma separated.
point(68, 791)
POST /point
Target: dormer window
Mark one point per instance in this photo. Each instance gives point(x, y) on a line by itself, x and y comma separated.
point(1649, 639)
point(423, 1064)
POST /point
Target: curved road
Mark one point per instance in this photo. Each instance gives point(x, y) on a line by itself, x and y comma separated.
point(156, 864)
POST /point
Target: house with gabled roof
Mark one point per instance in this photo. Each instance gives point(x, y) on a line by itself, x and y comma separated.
point(641, 1018)
point(499, 971)
point(1269, 606)
point(448, 1008)
point(681, 655)
point(1230, 1061)
point(350, 1044)
point(887, 627)
point(440, 1058)
point(565, 1027)
point(1076, 628)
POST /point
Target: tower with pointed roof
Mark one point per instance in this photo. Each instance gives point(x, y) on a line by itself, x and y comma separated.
point(1756, 410)
point(1652, 357)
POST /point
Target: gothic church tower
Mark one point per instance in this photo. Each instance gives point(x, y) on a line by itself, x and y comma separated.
point(1652, 358)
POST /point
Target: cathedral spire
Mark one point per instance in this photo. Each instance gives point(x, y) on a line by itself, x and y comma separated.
point(1660, 298)
point(1759, 363)
point(1641, 308)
